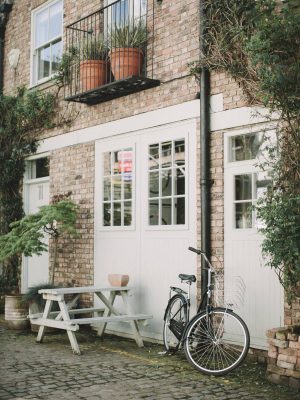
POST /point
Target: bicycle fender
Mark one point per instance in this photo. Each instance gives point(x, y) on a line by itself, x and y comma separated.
point(169, 302)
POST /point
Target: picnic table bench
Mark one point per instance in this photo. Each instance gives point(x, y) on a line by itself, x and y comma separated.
point(65, 318)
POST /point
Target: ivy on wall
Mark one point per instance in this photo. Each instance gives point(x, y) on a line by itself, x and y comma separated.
point(257, 42)
point(22, 117)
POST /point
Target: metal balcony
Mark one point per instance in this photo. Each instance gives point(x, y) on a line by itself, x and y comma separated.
point(108, 53)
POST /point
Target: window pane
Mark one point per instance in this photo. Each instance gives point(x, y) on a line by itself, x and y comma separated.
point(117, 214)
point(179, 152)
point(55, 25)
point(127, 186)
point(245, 147)
point(115, 163)
point(106, 162)
point(153, 212)
point(166, 211)
point(153, 184)
point(127, 213)
point(42, 167)
point(243, 215)
point(243, 187)
point(154, 156)
point(166, 183)
point(166, 154)
point(117, 187)
point(262, 182)
point(106, 214)
point(56, 55)
point(179, 212)
point(106, 189)
point(120, 12)
point(179, 184)
point(41, 27)
point(44, 62)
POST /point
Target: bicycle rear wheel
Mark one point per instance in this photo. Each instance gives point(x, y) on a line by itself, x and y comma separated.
point(216, 342)
point(175, 321)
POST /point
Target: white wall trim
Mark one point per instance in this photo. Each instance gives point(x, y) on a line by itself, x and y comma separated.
point(239, 117)
point(235, 118)
point(163, 116)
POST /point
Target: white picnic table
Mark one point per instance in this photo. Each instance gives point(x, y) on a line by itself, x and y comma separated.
point(65, 318)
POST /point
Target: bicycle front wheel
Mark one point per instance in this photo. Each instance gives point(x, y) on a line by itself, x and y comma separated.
point(216, 342)
point(175, 321)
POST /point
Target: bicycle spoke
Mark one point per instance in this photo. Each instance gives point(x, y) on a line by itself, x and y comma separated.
point(213, 343)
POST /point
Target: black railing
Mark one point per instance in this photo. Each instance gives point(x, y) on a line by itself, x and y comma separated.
point(107, 52)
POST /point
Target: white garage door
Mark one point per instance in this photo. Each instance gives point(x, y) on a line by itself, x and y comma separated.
point(145, 214)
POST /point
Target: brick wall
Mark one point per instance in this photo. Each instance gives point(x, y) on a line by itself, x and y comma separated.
point(284, 357)
point(72, 170)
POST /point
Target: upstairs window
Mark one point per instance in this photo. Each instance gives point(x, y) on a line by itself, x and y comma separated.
point(47, 27)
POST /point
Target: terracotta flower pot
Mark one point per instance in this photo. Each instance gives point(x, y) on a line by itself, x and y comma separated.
point(118, 279)
point(93, 73)
point(126, 62)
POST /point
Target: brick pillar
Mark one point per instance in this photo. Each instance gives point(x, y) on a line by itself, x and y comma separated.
point(284, 357)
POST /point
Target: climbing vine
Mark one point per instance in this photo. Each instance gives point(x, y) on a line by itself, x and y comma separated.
point(22, 117)
point(257, 42)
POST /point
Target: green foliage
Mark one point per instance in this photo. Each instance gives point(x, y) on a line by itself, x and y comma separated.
point(27, 235)
point(257, 42)
point(131, 35)
point(32, 295)
point(22, 117)
point(280, 213)
point(94, 48)
point(274, 52)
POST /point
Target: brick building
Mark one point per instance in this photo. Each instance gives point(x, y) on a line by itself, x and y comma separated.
point(131, 158)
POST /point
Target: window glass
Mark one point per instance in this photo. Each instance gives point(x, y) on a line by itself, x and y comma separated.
point(47, 50)
point(117, 197)
point(166, 183)
point(44, 62)
point(249, 188)
point(55, 20)
point(41, 27)
point(39, 168)
point(245, 147)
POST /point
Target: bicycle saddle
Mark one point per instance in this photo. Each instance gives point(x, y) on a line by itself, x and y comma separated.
point(189, 278)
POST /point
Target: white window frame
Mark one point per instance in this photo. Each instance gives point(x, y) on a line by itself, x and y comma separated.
point(34, 59)
point(243, 167)
point(99, 175)
point(168, 134)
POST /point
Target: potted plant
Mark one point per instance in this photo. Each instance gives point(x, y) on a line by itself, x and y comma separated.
point(93, 62)
point(127, 49)
point(26, 237)
point(33, 300)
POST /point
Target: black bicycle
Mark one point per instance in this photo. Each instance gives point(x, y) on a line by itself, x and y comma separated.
point(215, 340)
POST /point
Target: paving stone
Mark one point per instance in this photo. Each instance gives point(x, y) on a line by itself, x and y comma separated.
point(116, 369)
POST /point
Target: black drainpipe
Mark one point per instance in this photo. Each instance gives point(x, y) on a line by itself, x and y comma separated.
point(5, 9)
point(205, 182)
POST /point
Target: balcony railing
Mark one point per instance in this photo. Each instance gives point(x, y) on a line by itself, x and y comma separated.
point(108, 53)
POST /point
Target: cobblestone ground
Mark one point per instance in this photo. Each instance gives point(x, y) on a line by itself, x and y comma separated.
point(115, 369)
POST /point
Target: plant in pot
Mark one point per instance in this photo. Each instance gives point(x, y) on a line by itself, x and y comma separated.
point(93, 62)
point(127, 49)
point(27, 237)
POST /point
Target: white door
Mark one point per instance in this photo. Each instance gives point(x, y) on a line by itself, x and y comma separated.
point(253, 287)
point(35, 269)
point(145, 215)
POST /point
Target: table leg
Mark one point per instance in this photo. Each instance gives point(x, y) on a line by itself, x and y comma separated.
point(109, 309)
point(66, 317)
point(134, 324)
point(46, 314)
point(69, 306)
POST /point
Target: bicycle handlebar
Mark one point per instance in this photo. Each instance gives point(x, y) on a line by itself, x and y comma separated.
point(196, 250)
